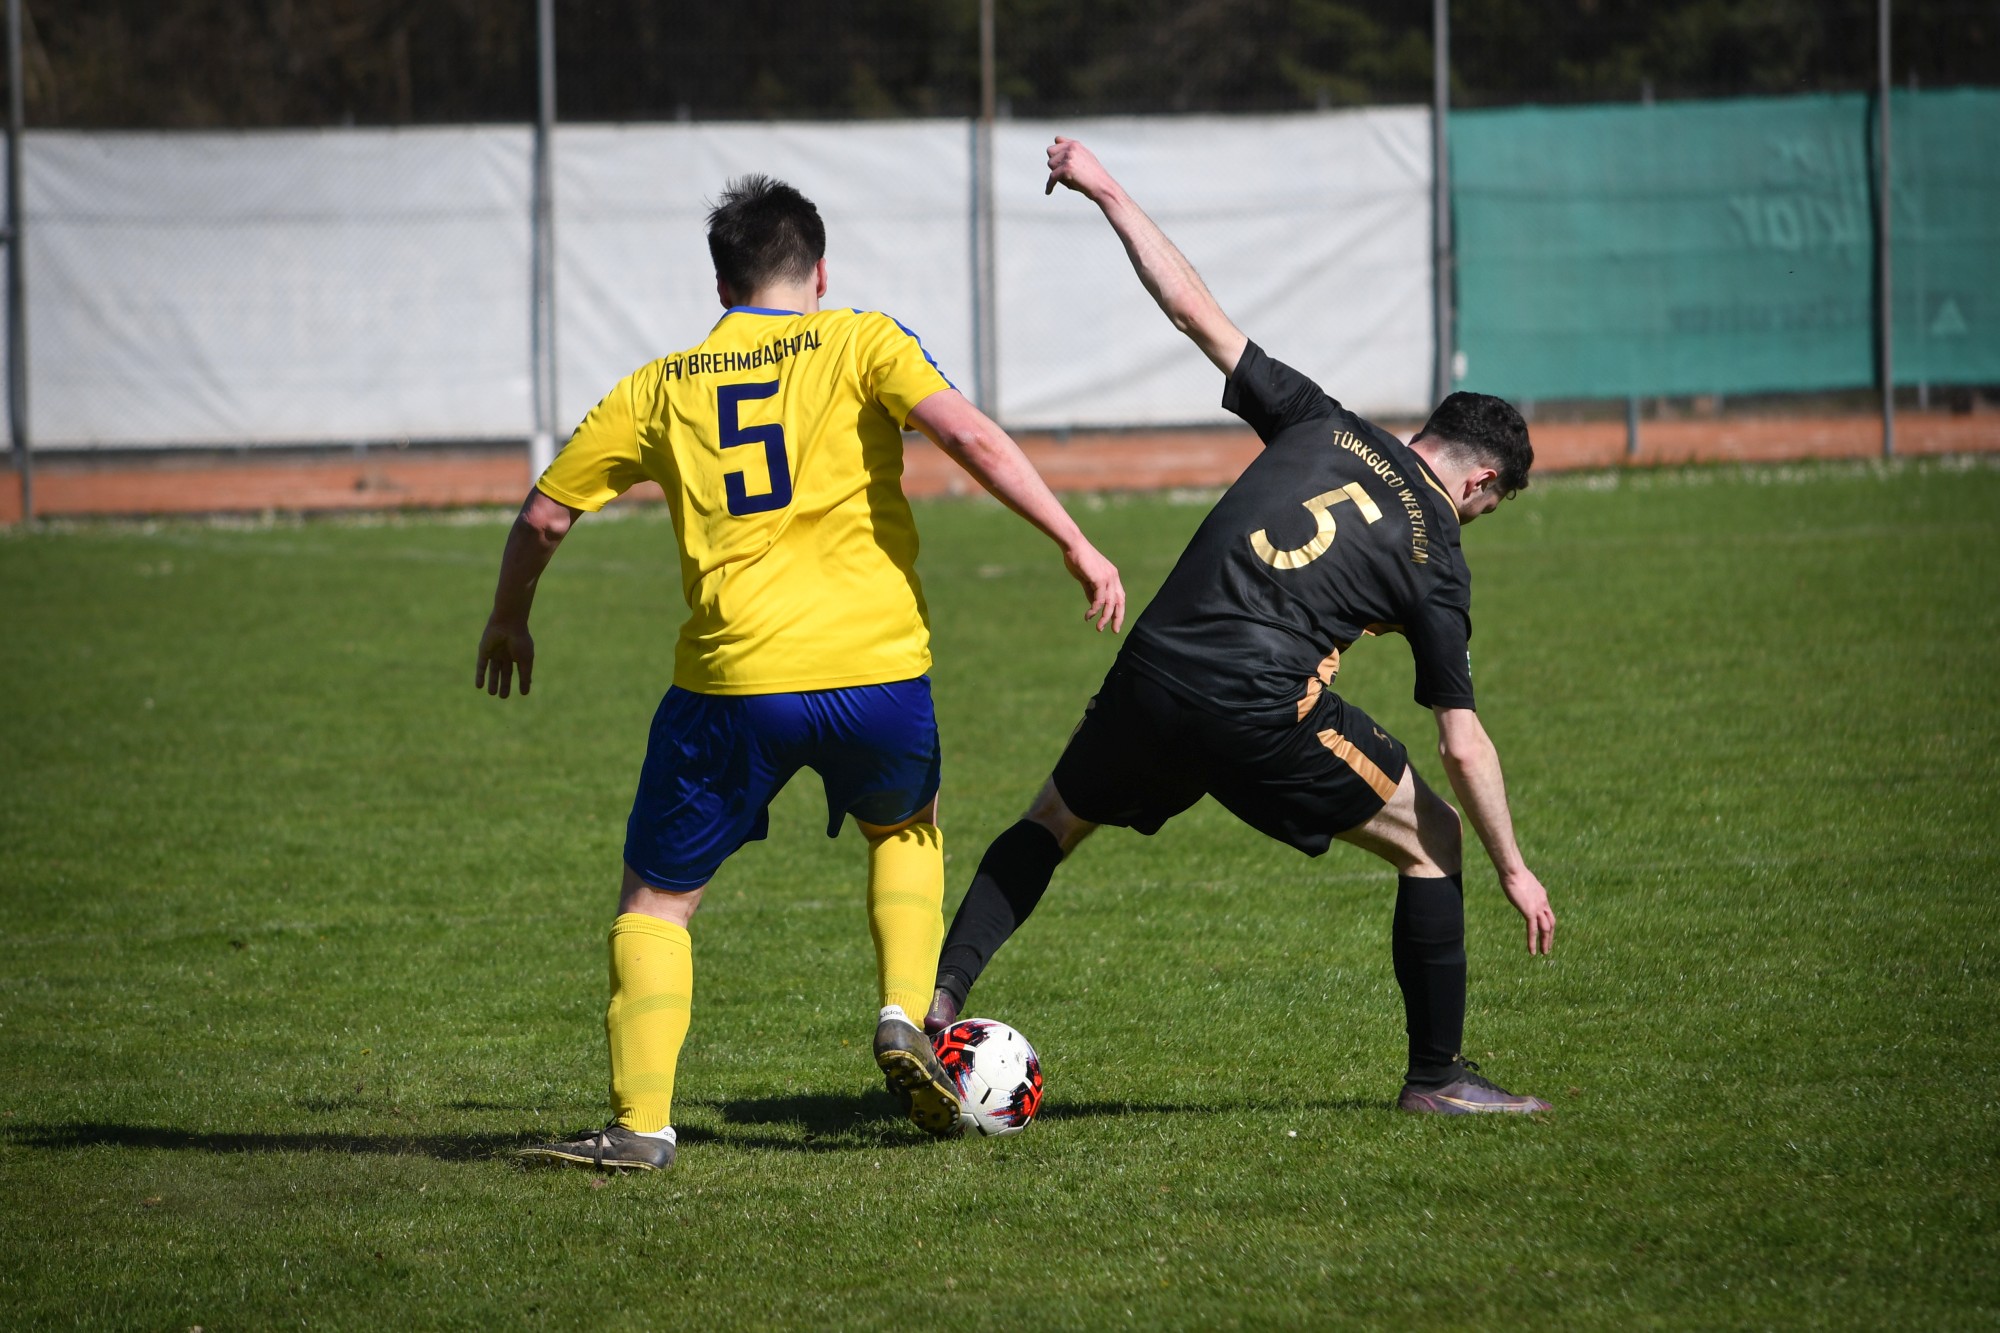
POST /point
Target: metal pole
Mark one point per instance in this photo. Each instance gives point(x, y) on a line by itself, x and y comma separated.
point(1885, 358)
point(1631, 426)
point(1441, 266)
point(985, 332)
point(542, 446)
point(17, 290)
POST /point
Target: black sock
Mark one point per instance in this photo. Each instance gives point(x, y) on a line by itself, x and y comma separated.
point(1428, 944)
point(1012, 877)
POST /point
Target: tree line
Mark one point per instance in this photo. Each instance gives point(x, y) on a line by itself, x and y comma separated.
point(263, 63)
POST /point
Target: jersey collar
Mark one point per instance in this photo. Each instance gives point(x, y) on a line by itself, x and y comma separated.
point(758, 310)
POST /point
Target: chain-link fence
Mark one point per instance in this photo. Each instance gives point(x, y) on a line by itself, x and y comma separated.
point(313, 223)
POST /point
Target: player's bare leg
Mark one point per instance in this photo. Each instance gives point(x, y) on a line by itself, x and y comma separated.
point(906, 917)
point(1011, 879)
point(646, 1022)
point(1418, 832)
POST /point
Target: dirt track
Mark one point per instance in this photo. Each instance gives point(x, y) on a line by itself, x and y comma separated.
point(78, 485)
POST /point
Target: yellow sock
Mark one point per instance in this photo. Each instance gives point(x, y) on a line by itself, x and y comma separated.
point(652, 986)
point(906, 914)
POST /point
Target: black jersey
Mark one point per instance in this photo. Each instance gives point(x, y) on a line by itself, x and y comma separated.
point(1337, 529)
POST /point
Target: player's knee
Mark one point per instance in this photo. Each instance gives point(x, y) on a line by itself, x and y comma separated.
point(635, 895)
point(1049, 811)
point(924, 822)
point(917, 831)
point(1440, 831)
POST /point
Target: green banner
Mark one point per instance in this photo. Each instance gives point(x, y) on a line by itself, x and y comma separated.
point(1722, 247)
point(1944, 236)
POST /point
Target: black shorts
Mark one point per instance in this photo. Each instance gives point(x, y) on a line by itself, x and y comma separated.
point(1143, 754)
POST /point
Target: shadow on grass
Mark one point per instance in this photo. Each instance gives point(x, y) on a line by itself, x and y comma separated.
point(444, 1147)
point(816, 1123)
point(822, 1124)
point(819, 1122)
point(1067, 1110)
point(830, 1122)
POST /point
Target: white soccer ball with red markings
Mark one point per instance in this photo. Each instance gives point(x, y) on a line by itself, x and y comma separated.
point(997, 1075)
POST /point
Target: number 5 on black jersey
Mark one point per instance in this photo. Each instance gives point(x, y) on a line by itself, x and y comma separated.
point(1321, 508)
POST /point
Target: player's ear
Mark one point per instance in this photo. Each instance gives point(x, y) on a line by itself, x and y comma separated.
point(1480, 479)
point(723, 294)
point(819, 277)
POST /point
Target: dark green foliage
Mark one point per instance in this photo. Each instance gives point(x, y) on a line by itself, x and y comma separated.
point(207, 63)
point(302, 932)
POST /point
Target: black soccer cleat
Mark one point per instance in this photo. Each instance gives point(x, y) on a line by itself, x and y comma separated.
point(1468, 1092)
point(943, 1013)
point(613, 1148)
point(911, 1066)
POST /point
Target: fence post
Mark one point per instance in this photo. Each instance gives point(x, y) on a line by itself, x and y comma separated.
point(1885, 357)
point(17, 291)
point(542, 298)
point(1442, 317)
point(985, 320)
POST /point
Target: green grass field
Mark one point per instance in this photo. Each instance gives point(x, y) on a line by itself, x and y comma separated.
point(302, 933)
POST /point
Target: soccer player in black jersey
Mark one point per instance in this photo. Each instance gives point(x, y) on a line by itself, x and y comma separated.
point(1224, 686)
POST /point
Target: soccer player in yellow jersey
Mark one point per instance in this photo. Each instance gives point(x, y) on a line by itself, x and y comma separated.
point(778, 441)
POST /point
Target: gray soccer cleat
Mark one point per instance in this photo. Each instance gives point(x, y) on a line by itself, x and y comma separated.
point(613, 1148)
point(1468, 1093)
point(911, 1066)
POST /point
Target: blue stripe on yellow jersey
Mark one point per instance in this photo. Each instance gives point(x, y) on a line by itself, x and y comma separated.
point(778, 442)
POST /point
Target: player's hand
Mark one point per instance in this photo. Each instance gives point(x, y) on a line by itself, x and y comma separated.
point(1071, 164)
point(504, 646)
point(1531, 900)
point(1101, 585)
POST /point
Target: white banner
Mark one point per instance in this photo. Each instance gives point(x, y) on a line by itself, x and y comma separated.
point(373, 285)
point(277, 287)
point(1312, 231)
point(634, 282)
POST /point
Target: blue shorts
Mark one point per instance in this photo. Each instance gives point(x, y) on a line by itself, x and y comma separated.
point(714, 762)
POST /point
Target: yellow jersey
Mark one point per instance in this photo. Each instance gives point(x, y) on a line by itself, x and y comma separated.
point(778, 441)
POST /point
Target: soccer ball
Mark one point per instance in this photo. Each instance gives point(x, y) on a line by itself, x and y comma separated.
point(996, 1073)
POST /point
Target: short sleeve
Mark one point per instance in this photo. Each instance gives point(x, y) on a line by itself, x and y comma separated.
point(1269, 395)
point(897, 370)
point(1440, 636)
point(602, 460)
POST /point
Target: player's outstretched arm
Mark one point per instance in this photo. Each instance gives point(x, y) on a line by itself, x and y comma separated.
point(977, 444)
point(505, 644)
point(1166, 272)
point(1473, 765)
